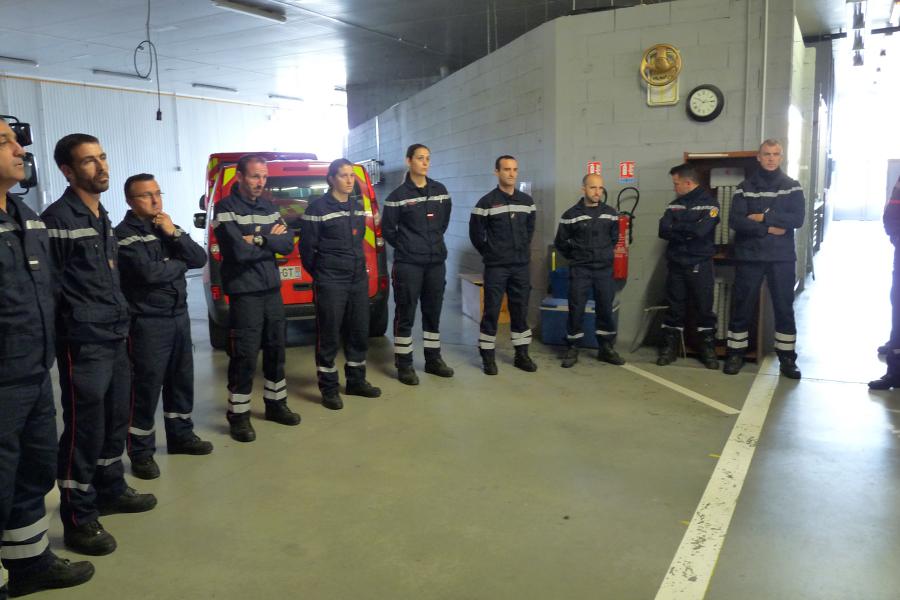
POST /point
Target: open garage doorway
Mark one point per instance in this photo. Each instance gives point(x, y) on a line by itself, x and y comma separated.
point(865, 143)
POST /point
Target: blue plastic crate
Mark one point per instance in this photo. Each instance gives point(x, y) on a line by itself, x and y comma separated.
point(555, 313)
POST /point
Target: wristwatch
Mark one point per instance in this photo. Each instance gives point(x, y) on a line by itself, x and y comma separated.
point(258, 240)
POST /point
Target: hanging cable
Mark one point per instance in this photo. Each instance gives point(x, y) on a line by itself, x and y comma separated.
point(153, 67)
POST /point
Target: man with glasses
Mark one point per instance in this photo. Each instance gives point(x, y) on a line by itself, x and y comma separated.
point(154, 255)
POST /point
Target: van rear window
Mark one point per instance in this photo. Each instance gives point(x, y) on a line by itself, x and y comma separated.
point(292, 195)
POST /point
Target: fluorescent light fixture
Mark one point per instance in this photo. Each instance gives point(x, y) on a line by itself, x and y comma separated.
point(252, 11)
point(122, 74)
point(210, 86)
point(895, 13)
point(20, 61)
point(282, 97)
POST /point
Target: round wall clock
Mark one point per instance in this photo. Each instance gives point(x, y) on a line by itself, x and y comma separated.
point(705, 103)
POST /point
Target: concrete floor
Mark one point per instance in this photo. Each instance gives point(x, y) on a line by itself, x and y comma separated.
point(560, 484)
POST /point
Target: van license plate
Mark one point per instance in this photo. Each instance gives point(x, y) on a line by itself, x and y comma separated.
point(288, 273)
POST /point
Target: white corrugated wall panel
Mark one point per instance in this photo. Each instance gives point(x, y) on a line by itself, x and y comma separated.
point(175, 149)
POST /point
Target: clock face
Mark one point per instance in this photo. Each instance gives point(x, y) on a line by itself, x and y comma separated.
point(705, 103)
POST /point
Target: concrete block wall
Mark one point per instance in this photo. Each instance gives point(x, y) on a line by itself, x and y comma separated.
point(495, 106)
point(569, 93)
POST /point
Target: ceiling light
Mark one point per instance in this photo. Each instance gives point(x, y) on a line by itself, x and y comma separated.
point(857, 59)
point(895, 13)
point(210, 86)
point(282, 97)
point(253, 11)
point(19, 61)
point(123, 74)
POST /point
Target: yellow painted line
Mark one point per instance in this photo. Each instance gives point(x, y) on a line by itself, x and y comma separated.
point(682, 390)
point(685, 523)
point(714, 455)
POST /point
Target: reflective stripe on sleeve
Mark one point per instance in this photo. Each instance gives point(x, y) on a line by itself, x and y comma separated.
point(137, 238)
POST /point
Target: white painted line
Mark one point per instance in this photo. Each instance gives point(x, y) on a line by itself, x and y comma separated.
point(683, 390)
point(692, 568)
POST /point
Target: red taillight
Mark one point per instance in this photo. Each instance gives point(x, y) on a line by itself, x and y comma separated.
point(376, 219)
point(214, 250)
point(216, 292)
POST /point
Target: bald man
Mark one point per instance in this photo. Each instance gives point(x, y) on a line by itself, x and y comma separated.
point(586, 236)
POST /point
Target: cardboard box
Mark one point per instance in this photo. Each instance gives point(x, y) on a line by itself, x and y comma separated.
point(473, 298)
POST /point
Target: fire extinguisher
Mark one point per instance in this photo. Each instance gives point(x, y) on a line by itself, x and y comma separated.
point(626, 226)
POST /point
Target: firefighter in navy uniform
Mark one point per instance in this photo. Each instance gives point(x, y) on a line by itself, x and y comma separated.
point(94, 372)
point(689, 225)
point(501, 228)
point(587, 236)
point(891, 218)
point(250, 231)
point(766, 209)
point(332, 234)
point(28, 442)
point(414, 220)
point(154, 255)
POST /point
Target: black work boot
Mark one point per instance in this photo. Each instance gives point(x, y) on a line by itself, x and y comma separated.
point(523, 361)
point(332, 400)
point(668, 351)
point(708, 352)
point(277, 411)
point(788, 366)
point(362, 388)
point(733, 364)
point(887, 381)
point(61, 573)
point(570, 357)
point(608, 354)
point(240, 428)
point(406, 375)
point(144, 467)
point(89, 538)
point(488, 362)
point(437, 366)
point(131, 501)
point(190, 444)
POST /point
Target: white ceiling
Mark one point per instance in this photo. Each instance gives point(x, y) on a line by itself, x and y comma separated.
point(321, 46)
